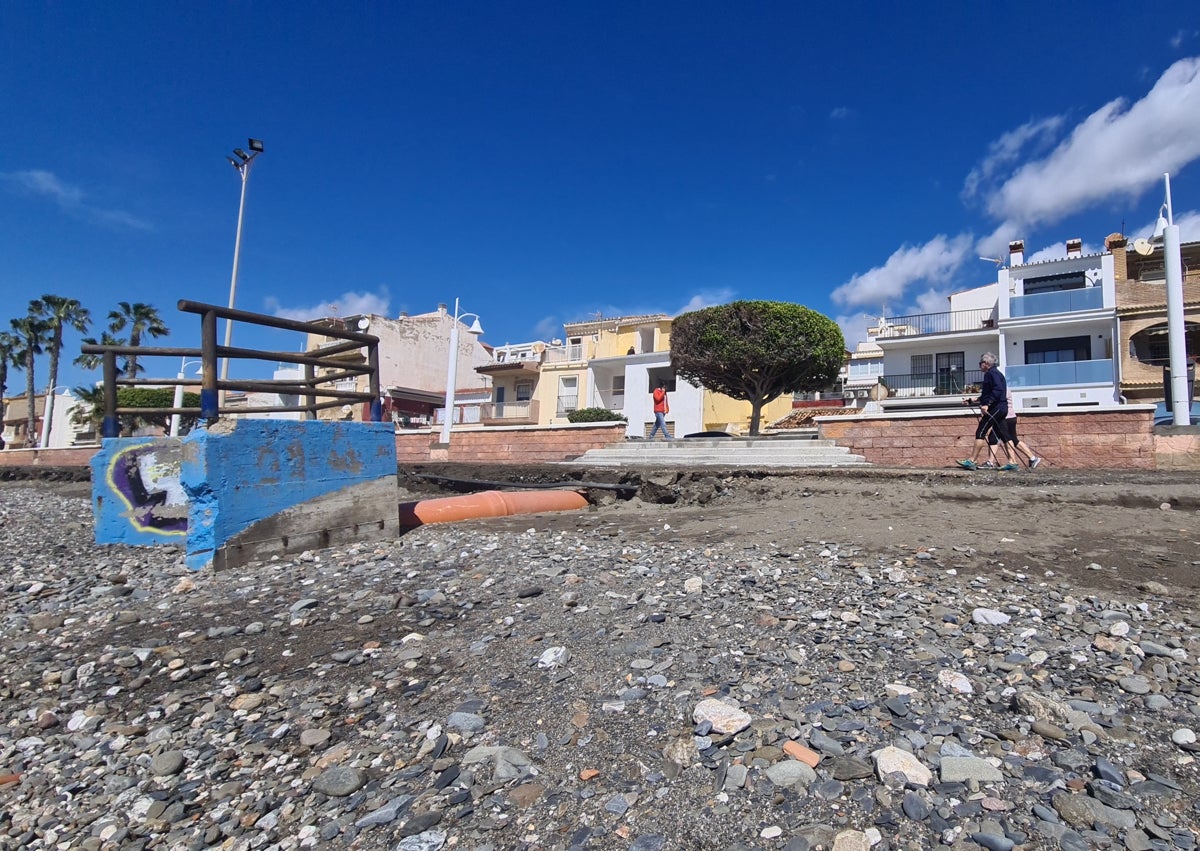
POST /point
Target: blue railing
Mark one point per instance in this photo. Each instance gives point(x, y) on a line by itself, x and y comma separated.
point(1057, 374)
point(1063, 301)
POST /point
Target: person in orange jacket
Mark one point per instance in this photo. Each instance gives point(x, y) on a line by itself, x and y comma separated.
point(661, 408)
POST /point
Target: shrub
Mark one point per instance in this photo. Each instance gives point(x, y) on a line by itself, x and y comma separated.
point(595, 415)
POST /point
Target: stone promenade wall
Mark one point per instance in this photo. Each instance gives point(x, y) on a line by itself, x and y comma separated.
point(1119, 439)
point(507, 445)
point(73, 457)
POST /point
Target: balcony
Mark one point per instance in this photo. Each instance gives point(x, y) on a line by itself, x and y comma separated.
point(927, 384)
point(1063, 301)
point(564, 354)
point(509, 413)
point(926, 324)
point(1059, 374)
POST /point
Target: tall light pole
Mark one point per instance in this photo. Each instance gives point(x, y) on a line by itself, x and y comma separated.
point(1181, 397)
point(241, 161)
point(452, 367)
point(48, 415)
point(184, 363)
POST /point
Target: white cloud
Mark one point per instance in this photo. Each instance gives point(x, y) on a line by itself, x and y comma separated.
point(707, 298)
point(841, 112)
point(935, 262)
point(548, 328)
point(1181, 38)
point(44, 184)
point(1007, 149)
point(1115, 151)
point(1189, 226)
point(854, 327)
point(1058, 250)
point(349, 303)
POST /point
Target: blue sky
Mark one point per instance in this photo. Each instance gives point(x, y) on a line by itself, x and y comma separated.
point(547, 161)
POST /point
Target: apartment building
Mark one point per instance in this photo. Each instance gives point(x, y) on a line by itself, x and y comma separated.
point(414, 353)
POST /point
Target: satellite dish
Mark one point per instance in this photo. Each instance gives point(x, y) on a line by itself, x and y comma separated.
point(538, 347)
point(364, 323)
point(347, 410)
point(1143, 247)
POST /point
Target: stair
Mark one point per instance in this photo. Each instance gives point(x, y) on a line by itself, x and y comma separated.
point(779, 450)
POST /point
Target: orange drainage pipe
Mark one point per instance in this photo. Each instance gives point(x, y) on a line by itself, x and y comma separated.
point(5, 779)
point(488, 504)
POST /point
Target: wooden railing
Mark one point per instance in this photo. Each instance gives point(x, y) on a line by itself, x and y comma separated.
point(311, 388)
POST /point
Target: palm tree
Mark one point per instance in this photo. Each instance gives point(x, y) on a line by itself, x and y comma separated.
point(106, 339)
point(57, 311)
point(141, 319)
point(8, 358)
point(32, 334)
point(90, 409)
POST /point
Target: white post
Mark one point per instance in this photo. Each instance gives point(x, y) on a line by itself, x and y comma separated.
point(47, 415)
point(178, 403)
point(451, 377)
point(237, 250)
point(1176, 330)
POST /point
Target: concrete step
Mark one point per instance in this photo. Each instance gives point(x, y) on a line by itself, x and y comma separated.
point(738, 452)
point(727, 444)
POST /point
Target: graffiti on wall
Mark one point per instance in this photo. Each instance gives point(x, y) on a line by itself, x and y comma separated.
point(145, 476)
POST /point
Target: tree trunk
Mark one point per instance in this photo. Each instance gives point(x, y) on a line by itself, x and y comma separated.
point(755, 416)
point(30, 399)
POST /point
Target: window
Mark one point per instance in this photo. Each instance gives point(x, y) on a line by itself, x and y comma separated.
point(618, 392)
point(524, 391)
point(575, 348)
point(921, 365)
point(568, 394)
point(1055, 283)
point(1060, 350)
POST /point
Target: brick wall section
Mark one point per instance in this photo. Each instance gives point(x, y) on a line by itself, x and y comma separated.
point(507, 445)
point(1121, 439)
point(1177, 452)
point(73, 457)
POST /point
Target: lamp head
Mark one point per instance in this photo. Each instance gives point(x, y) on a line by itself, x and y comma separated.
point(475, 328)
point(255, 145)
point(1160, 226)
point(240, 154)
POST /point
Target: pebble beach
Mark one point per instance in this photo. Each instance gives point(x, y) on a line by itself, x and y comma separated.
point(473, 687)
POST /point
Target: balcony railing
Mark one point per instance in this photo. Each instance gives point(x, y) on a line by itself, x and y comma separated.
point(566, 404)
point(1063, 301)
point(1058, 374)
point(526, 411)
point(947, 382)
point(923, 324)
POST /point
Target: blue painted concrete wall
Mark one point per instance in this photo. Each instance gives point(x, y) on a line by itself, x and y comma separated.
point(137, 496)
point(243, 471)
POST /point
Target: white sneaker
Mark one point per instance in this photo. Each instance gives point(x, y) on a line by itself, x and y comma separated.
point(1033, 462)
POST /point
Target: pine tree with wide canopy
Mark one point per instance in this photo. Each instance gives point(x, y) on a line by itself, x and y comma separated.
point(757, 351)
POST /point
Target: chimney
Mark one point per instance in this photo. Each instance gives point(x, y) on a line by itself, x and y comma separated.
point(1074, 248)
point(442, 307)
point(1115, 243)
point(1016, 252)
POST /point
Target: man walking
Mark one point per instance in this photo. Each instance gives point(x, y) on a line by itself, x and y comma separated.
point(993, 410)
point(661, 408)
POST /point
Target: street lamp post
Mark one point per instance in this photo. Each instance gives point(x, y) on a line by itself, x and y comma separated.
point(48, 415)
point(1176, 329)
point(241, 161)
point(452, 367)
point(184, 363)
